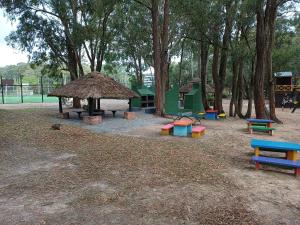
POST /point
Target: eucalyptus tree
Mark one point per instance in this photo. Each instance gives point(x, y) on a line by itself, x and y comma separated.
point(196, 17)
point(243, 59)
point(266, 14)
point(132, 44)
point(95, 29)
point(47, 31)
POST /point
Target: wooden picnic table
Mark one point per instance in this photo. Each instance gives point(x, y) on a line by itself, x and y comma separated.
point(290, 149)
point(263, 122)
point(211, 114)
point(182, 127)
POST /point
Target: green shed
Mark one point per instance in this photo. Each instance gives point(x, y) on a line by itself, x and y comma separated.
point(193, 99)
point(171, 101)
point(146, 98)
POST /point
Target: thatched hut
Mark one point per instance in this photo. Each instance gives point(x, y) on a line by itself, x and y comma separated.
point(92, 86)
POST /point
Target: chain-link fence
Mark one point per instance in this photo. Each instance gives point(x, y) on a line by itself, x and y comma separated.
point(13, 92)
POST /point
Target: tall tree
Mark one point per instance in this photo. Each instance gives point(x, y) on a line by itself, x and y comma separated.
point(160, 35)
point(266, 11)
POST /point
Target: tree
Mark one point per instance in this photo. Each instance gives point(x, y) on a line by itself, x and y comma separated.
point(160, 51)
point(266, 13)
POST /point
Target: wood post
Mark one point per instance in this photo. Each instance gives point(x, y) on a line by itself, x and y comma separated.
point(60, 105)
point(297, 172)
point(98, 104)
point(292, 155)
point(90, 106)
point(130, 108)
point(257, 166)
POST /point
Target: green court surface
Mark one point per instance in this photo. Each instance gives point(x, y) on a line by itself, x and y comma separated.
point(27, 99)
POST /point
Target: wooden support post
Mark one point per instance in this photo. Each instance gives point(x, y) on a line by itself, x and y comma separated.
point(297, 172)
point(130, 108)
point(21, 79)
point(90, 106)
point(292, 155)
point(249, 125)
point(98, 104)
point(256, 151)
point(42, 89)
point(2, 90)
point(60, 105)
point(257, 166)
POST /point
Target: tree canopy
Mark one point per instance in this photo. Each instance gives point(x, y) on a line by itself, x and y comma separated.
point(235, 45)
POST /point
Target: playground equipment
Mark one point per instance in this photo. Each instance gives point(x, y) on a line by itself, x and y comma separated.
point(262, 125)
point(145, 101)
point(172, 101)
point(193, 99)
point(286, 83)
point(290, 150)
point(183, 128)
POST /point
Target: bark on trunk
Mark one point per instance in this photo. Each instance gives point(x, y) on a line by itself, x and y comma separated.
point(233, 88)
point(240, 93)
point(224, 51)
point(250, 90)
point(156, 57)
point(204, 60)
point(259, 100)
point(160, 53)
point(215, 63)
point(180, 64)
point(271, 11)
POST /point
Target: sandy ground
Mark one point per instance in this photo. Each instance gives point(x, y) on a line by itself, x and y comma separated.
point(88, 175)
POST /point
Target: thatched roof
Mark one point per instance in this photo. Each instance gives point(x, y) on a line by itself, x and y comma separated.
point(94, 85)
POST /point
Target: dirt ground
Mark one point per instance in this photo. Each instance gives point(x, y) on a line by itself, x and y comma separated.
point(77, 176)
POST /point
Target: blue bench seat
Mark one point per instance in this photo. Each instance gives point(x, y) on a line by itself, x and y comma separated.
point(278, 162)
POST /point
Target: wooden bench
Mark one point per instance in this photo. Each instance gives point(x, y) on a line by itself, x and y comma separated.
point(270, 130)
point(198, 131)
point(277, 162)
point(167, 129)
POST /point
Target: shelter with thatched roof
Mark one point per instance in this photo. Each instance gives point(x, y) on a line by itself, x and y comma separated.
point(92, 86)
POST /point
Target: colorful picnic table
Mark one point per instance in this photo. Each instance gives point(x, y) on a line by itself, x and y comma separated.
point(182, 128)
point(289, 148)
point(262, 122)
point(211, 114)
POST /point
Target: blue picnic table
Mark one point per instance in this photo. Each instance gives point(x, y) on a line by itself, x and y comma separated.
point(289, 148)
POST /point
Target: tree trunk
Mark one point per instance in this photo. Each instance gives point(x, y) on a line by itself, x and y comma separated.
point(140, 70)
point(215, 63)
point(240, 93)
point(250, 90)
point(164, 50)
point(156, 57)
point(224, 51)
point(203, 74)
point(180, 64)
point(259, 100)
point(271, 11)
point(234, 87)
point(103, 44)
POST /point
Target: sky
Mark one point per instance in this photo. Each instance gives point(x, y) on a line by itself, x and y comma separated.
point(8, 55)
